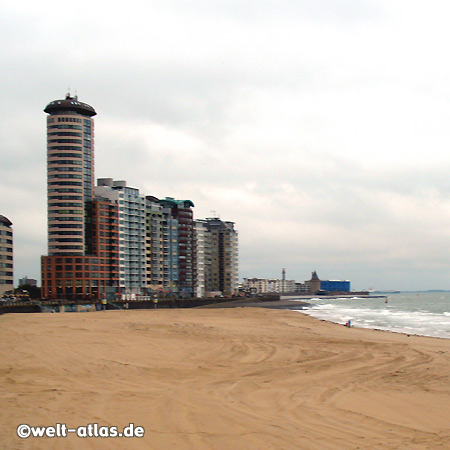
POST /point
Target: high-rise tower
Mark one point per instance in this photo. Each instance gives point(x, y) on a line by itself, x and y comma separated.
point(83, 231)
point(181, 212)
point(220, 247)
point(6, 255)
point(70, 170)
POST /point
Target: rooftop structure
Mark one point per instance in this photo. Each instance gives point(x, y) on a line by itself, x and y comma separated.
point(70, 104)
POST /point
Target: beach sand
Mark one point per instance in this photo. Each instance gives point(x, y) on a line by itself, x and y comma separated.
point(238, 378)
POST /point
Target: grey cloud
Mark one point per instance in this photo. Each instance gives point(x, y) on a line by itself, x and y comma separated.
point(280, 116)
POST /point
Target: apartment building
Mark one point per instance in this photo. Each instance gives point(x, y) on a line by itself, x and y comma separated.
point(6, 256)
point(132, 232)
point(219, 242)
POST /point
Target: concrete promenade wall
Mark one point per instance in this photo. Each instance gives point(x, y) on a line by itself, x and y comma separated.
point(62, 305)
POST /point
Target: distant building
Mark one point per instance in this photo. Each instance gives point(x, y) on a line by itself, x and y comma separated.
point(301, 288)
point(313, 284)
point(335, 285)
point(25, 281)
point(263, 285)
point(6, 256)
point(284, 286)
point(256, 285)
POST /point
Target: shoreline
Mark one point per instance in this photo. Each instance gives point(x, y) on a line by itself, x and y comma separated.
point(301, 305)
point(378, 329)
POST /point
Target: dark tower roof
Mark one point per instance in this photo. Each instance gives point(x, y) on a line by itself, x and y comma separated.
point(70, 104)
point(314, 276)
point(5, 221)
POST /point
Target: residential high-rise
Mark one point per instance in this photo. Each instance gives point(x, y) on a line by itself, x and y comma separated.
point(70, 173)
point(109, 239)
point(6, 256)
point(162, 247)
point(203, 257)
point(220, 244)
point(132, 257)
point(82, 259)
point(154, 244)
point(171, 253)
point(181, 212)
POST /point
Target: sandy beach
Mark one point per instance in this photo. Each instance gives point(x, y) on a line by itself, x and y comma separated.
point(238, 378)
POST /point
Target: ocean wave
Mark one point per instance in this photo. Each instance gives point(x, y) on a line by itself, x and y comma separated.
point(410, 317)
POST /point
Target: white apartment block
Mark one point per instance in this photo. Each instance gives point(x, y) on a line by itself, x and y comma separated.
point(263, 285)
point(132, 254)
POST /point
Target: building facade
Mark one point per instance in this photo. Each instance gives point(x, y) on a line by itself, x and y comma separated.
point(93, 275)
point(263, 285)
point(154, 244)
point(171, 253)
point(162, 247)
point(70, 174)
point(182, 221)
point(313, 285)
point(256, 285)
point(132, 223)
point(219, 242)
point(203, 257)
point(335, 285)
point(6, 256)
point(25, 281)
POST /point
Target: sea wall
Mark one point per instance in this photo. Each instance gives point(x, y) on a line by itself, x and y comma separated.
point(62, 305)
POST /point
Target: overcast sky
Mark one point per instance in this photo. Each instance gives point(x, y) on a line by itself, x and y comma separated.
point(320, 127)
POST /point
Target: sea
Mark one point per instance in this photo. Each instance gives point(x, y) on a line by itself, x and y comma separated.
point(420, 313)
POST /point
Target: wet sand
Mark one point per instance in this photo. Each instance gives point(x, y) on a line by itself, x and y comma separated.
point(227, 378)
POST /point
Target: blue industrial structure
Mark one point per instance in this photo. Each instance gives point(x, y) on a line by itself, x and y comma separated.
point(335, 285)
